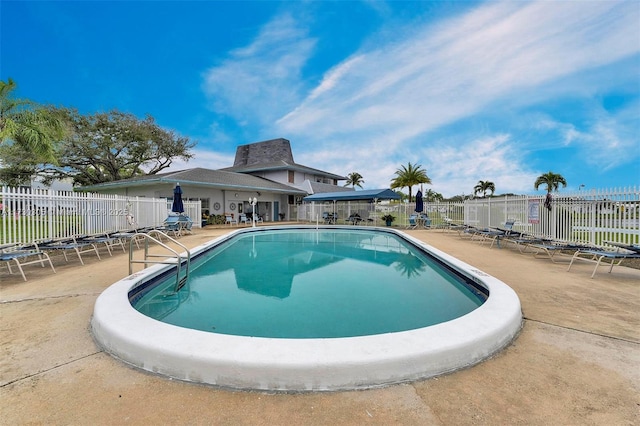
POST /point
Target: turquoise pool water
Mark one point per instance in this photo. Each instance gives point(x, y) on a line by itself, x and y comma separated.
point(312, 284)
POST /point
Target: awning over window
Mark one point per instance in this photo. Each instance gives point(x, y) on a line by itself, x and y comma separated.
point(365, 195)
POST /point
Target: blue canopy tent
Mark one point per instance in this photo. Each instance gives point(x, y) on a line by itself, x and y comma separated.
point(369, 195)
point(365, 195)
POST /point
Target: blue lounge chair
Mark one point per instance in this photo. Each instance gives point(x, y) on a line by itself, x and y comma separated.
point(109, 239)
point(494, 234)
point(16, 253)
point(75, 243)
point(622, 251)
point(523, 241)
point(551, 248)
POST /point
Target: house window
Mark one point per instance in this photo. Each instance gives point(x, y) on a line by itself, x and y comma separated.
point(291, 176)
point(204, 206)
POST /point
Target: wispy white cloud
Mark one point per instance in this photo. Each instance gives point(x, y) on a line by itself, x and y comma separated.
point(382, 106)
point(611, 139)
point(259, 82)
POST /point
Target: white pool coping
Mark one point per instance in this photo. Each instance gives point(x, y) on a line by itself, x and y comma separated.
point(305, 364)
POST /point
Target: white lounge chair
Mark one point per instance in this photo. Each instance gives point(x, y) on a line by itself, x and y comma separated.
point(229, 220)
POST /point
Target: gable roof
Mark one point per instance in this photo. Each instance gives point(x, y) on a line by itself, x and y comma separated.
point(368, 194)
point(218, 179)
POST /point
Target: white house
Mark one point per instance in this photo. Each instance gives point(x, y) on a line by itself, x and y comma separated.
point(264, 170)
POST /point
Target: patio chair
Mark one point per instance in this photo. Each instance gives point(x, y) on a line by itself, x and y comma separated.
point(185, 224)
point(74, 243)
point(551, 248)
point(11, 253)
point(127, 235)
point(523, 241)
point(494, 234)
point(230, 220)
point(244, 219)
point(424, 220)
point(413, 222)
point(171, 225)
point(484, 234)
point(466, 230)
point(330, 218)
point(622, 252)
point(109, 239)
point(354, 219)
point(449, 224)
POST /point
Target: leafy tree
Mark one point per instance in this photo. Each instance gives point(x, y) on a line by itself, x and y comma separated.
point(106, 147)
point(19, 165)
point(354, 179)
point(33, 128)
point(431, 196)
point(484, 186)
point(409, 176)
point(552, 180)
point(457, 198)
point(402, 196)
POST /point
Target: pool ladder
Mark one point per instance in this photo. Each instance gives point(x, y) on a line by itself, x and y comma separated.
point(177, 259)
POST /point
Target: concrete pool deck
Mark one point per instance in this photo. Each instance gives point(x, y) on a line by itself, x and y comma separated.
point(576, 361)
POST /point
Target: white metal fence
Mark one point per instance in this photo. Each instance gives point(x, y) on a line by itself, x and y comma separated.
point(31, 214)
point(585, 216)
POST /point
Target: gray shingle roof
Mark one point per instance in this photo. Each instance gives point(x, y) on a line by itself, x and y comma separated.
point(204, 177)
point(274, 154)
point(325, 187)
point(282, 165)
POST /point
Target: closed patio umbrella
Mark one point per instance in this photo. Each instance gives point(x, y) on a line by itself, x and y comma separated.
point(419, 202)
point(177, 206)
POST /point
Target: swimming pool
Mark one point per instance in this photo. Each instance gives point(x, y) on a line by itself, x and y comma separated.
point(328, 283)
point(302, 364)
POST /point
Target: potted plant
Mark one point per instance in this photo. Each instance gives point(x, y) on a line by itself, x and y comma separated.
point(388, 219)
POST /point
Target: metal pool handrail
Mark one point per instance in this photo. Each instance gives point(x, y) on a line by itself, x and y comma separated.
point(177, 259)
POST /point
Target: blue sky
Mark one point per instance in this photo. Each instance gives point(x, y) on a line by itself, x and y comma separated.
point(498, 91)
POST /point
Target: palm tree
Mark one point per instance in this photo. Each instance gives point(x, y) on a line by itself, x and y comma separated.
point(552, 180)
point(484, 186)
point(431, 196)
point(354, 179)
point(409, 176)
point(34, 128)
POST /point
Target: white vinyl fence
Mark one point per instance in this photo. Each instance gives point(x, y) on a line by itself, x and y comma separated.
point(586, 216)
point(33, 214)
point(591, 217)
